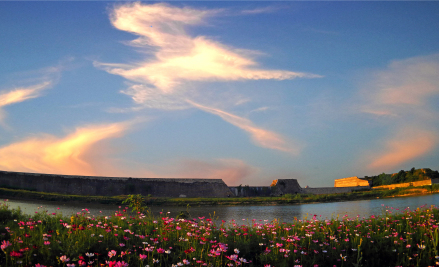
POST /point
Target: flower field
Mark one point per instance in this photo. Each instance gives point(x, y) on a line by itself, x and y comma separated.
point(394, 238)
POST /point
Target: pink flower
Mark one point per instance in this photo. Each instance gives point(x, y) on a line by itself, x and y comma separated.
point(117, 264)
point(46, 243)
point(160, 250)
point(64, 258)
point(5, 244)
point(111, 253)
point(142, 257)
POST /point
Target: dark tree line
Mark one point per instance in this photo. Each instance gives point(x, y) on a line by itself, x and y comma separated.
point(403, 176)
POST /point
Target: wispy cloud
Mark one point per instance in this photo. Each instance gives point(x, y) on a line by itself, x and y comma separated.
point(21, 94)
point(260, 10)
point(402, 97)
point(17, 95)
point(165, 79)
point(29, 84)
point(150, 97)
point(260, 137)
point(72, 154)
point(404, 88)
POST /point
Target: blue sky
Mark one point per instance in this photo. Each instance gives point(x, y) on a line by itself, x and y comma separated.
point(243, 91)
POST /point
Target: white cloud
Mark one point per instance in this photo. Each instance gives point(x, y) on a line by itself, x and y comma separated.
point(180, 59)
point(259, 10)
point(261, 137)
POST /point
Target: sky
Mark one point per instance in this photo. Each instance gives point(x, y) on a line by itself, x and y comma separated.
point(244, 91)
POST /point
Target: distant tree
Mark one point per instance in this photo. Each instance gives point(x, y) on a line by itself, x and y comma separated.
point(399, 177)
point(403, 177)
point(376, 181)
point(386, 179)
point(431, 174)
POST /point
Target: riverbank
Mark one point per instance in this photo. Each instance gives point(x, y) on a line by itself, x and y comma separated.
point(286, 199)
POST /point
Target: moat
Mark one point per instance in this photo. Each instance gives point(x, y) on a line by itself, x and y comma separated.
point(286, 213)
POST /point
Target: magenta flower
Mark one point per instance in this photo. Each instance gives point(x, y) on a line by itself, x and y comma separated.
point(160, 250)
point(142, 257)
point(5, 244)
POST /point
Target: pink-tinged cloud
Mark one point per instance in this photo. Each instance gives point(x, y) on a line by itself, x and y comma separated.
point(260, 137)
point(178, 56)
point(232, 171)
point(21, 94)
point(406, 146)
point(66, 155)
point(401, 96)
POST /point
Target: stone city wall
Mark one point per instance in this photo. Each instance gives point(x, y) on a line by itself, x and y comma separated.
point(171, 187)
point(418, 183)
point(251, 191)
point(333, 190)
point(112, 186)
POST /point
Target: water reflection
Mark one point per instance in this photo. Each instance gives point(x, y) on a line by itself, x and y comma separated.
point(285, 213)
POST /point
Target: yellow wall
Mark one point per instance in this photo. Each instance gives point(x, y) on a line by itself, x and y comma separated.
point(391, 186)
point(350, 181)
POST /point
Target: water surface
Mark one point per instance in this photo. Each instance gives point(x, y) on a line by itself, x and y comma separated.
point(285, 213)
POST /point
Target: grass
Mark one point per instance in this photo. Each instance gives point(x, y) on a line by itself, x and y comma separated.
point(395, 238)
point(286, 199)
